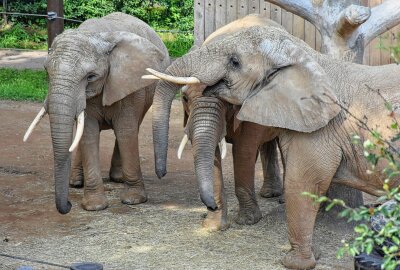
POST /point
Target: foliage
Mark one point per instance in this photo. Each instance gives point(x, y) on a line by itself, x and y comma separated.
point(177, 44)
point(28, 6)
point(387, 238)
point(23, 37)
point(171, 14)
point(30, 32)
point(23, 84)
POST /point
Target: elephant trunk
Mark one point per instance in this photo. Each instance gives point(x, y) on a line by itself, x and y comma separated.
point(163, 97)
point(206, 127)
point(191, 65)
point(62, 114)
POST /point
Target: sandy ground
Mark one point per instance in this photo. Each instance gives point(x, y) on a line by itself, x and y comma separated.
point(163, 233)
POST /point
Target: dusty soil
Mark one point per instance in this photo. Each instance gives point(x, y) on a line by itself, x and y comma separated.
point(163, 233)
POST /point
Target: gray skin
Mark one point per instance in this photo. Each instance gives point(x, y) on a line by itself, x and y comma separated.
point(97, 68)
point(212, 128)
point(284, 84)
point(207, 121)
point(115, 174)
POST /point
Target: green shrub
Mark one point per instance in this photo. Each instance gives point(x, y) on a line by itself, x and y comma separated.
point(171, 14)
point(31, 33)
point(177, 44)
point(23, 37)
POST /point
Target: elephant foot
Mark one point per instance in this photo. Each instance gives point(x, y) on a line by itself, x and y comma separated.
point(248, 216)
point(267, 192)
point(133, 195)
point(116, 175)
point(295, 260)
point(215, 221)
point(94, 202)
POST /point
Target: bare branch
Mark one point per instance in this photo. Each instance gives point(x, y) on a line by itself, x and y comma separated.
point(351, 18)
point(383, 17)
point(302, 8)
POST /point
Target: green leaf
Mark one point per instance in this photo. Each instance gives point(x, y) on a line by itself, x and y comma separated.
point(393, 249)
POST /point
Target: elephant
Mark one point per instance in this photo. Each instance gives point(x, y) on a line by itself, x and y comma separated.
point(94, 76)
point(246, 139)
point(208, 120)
point(311, 101)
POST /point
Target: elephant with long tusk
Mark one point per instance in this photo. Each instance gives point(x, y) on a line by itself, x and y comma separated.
point(311, 102)
point(95, 80)
point(208, 121)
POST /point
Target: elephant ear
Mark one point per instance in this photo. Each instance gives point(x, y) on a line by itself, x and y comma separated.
point(300, 96)
point(128, 60)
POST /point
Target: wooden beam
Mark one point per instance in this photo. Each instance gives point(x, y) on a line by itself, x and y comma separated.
point(54, 26)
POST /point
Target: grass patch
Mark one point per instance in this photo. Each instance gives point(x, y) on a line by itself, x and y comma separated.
point(23, 84)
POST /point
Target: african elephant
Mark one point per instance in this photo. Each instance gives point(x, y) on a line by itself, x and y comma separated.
point(246, 139)
point(309, 99)
point(95, 78)
point(208, 120)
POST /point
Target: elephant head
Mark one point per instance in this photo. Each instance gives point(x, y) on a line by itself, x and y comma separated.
point(82, 65)
point(275, 73)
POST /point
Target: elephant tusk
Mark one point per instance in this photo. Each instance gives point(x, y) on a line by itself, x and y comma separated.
point(177, 80)
point(184, 88)
point(79, 131)
point(184, 141)
point(222, 147)
point(35, 121)
point(150, 77)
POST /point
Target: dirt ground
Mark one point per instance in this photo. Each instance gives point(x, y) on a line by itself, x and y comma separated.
point(163, 233)
point(21, 59)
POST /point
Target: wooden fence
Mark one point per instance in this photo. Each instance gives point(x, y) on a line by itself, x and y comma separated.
point(212, 14)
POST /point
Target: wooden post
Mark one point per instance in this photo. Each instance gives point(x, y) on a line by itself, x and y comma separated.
point(5, 10)
point(54, 26)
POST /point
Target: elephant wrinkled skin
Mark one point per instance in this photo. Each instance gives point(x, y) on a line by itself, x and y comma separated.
point(205, 127)
point(285, 85)
point(207, 121)
point(95, 76)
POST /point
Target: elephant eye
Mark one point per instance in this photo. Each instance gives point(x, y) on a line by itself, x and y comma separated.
point(91, 77)
point(234, 62)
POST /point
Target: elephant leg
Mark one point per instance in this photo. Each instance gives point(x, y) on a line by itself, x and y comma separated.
point(116, 174)
point(309, 170)
point(217, 220)
point(244, 159)
point(272, 186)
point(94, 197)
point(76, 179)
point(134, 192)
